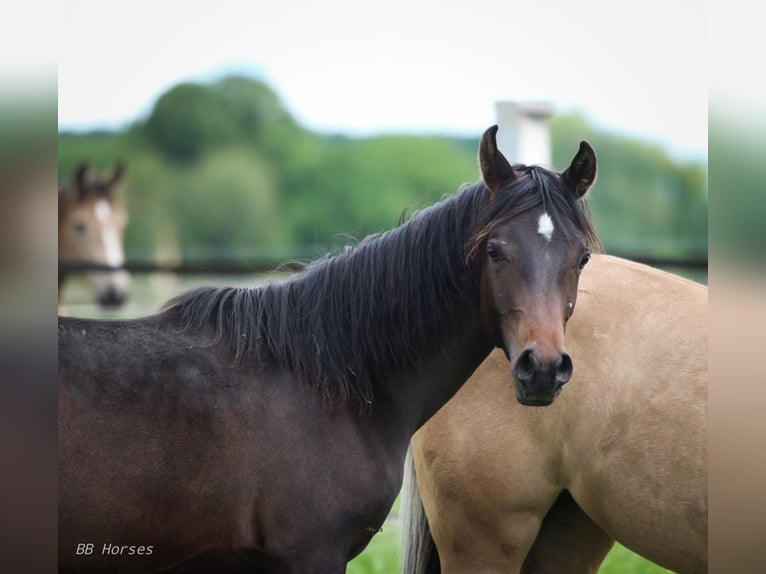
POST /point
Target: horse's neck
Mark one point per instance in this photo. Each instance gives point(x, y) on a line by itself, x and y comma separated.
point(418, 394)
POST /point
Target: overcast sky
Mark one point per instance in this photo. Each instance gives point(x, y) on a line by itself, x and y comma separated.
point(399, 65)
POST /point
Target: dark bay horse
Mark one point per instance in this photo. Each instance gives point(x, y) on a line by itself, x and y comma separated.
point(92, 220)
point(621, 455)
point(265, 430)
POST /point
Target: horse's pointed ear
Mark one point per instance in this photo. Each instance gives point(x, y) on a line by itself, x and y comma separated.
point(581, 173)
point(81, 174)
point(119, 171)
point(495, 169)
point(79, 189)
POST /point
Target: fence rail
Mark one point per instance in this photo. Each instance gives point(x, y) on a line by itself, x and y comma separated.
point(195, 267)
point(239, 267)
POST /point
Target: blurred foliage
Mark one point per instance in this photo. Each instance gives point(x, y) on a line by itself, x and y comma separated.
point(739, 202)
point(223, 168)
point(643, 201)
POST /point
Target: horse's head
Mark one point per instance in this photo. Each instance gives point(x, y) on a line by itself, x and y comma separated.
point(534, 238)
point(92, 221)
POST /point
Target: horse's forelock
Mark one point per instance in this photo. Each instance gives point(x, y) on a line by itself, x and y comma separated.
point(537, 186)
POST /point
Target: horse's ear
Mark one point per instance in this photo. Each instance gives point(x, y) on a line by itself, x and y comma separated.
point(80, 181)
point(81, 174)
point(581, 173)
point(495, 169)
point(119, 171)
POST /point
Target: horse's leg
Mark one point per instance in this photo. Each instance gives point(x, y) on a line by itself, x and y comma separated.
point(486, 533)
point(486, 492)
point(475, 543)
point(568, 541)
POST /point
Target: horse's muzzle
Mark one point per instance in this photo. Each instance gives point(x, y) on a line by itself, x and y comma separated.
point(538, 382)
point(112, 296)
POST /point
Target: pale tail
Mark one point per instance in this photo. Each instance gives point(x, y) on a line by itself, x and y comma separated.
point(419, 555)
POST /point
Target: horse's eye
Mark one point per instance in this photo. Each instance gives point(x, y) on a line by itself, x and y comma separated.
point(493, 253)
point(80, 227)
point(584, 259)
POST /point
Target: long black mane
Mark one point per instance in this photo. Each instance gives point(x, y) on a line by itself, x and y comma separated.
point(351, 321)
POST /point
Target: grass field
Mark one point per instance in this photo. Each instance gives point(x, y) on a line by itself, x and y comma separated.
point(382, 555)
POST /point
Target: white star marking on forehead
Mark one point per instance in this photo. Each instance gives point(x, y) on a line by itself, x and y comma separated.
point(545, 226)
point(102, 209)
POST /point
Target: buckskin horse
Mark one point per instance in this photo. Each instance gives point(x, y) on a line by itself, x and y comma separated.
point(622, 454)
point(265, 429)
point(91, 226)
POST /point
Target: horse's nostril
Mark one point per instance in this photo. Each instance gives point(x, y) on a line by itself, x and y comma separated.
point(529, 366)
point(526, 366)
point(564, 369)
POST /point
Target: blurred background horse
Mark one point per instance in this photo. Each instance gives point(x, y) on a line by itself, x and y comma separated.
point(91, 225)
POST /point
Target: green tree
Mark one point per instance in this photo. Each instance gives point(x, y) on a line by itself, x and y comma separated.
point(224, 166)
point(226, 203)
point(189, 120)
point(256, 109)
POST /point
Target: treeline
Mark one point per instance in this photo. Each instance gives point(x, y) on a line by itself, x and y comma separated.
point(224, 168)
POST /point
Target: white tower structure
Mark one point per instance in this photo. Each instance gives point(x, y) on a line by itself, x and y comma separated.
point(524, 135)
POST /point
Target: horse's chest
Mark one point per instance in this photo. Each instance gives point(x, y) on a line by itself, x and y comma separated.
point(333, 489)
